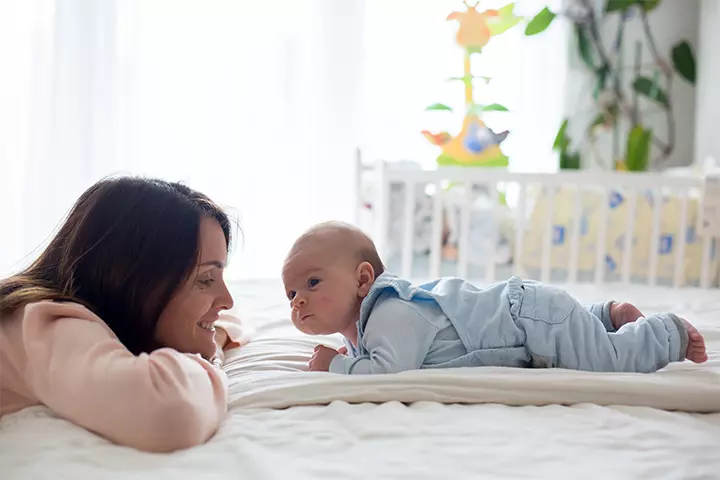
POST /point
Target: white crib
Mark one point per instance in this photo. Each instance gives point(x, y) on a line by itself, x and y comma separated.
point(678, 255)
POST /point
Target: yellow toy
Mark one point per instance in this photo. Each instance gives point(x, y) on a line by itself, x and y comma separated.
point(476, 144)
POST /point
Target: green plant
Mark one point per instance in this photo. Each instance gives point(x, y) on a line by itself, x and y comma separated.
point(618, 94)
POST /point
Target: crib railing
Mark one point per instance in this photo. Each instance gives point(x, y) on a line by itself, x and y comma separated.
point(631, 184)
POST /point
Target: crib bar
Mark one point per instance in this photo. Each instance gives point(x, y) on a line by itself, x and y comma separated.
point(408, 229)
point(464, 241)
point(519, 230)
point(575, 236)
point(490, 261)
point(381, 209)
point(629, 238)
point(655, 236)
point(548, 238)
point(707, 244)
point(682, 238)
point(601, 249)
point(437, 224)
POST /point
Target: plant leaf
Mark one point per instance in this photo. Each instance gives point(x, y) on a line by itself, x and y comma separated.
point(618, 5)
point(570, 161)
point(584, 47)
point(505, 20)
point(638, 149)
point(624, 5)
point(495, 107)
point(684, 61)
point(561, 142)
point(438, 106)
point(648, 5)
point(651, 89)
point(477, 109)
point(540, 22)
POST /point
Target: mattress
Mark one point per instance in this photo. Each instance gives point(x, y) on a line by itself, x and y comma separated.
point(285, 422)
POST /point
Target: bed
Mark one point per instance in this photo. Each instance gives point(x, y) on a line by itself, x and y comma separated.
point(285, 422)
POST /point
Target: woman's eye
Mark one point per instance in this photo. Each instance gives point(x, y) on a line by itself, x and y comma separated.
point(313, 282)
point(207, 283)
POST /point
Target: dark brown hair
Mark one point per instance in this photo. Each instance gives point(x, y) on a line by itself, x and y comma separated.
point(125, 248)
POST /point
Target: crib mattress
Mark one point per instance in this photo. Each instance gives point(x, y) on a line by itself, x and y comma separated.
point(287, 423)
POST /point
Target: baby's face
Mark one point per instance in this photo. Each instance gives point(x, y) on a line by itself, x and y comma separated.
point(323, 294)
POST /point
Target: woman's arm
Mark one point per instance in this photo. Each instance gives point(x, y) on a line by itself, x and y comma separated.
point(158, 402)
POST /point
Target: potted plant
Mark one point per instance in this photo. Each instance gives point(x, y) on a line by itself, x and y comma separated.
point(627, 87)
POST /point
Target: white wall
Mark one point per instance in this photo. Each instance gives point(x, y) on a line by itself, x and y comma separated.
point(708, 97)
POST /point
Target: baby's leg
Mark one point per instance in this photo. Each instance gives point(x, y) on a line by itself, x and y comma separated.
point(560, 332)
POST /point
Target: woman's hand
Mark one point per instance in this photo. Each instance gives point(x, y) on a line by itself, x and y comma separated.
point(221, 338)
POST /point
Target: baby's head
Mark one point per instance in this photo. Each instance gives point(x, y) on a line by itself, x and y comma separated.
point(327, 273)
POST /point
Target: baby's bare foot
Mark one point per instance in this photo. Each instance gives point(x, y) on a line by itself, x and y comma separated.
point(622, 313)
point(696, 351)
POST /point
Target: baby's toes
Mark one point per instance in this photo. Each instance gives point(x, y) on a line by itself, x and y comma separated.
point(698, 357)
point(697, 352)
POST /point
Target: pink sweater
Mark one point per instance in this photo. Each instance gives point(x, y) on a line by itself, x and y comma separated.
point(63, 356)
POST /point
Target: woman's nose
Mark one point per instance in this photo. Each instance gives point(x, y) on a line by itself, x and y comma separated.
point(225, 300)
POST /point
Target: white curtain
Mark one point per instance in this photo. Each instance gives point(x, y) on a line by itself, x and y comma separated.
point(261, 104)
point(251, 102)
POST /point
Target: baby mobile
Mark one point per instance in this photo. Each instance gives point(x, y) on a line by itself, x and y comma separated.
point(476, 144)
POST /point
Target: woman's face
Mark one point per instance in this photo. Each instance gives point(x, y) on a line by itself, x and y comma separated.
point(187, 322)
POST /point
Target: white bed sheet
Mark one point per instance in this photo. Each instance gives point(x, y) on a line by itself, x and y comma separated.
point(424, 439)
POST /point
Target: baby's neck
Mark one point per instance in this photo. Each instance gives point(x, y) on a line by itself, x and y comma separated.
point(351, 334)
point(351, 330)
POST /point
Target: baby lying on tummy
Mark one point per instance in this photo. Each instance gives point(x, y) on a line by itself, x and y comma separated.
point(336, 283)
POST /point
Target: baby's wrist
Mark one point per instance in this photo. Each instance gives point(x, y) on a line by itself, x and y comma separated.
point(337, 364)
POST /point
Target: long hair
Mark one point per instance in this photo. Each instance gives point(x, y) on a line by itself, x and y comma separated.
point(125, 248)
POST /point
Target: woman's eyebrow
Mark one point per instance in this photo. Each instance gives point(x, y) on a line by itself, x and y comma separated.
point(214, 263)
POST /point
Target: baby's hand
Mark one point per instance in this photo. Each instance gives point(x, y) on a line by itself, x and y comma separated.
point(322, 356)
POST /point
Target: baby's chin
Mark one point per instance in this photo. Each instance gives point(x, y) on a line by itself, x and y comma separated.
point(315, 329)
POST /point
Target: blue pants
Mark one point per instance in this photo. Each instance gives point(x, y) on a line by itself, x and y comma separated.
point(560, 332)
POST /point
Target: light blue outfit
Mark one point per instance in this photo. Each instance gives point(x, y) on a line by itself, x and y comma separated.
point(518, 323)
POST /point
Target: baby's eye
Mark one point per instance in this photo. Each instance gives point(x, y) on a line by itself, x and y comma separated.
point(291, 295)
point(313, 282)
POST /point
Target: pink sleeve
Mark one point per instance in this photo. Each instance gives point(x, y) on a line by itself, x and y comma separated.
point(159, 402)
point(238, 334)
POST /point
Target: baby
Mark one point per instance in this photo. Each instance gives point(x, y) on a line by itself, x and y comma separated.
point(336, 283)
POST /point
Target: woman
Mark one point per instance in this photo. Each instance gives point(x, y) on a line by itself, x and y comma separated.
point(113, 326)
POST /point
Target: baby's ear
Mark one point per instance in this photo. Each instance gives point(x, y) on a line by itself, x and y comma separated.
point(365, 275)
